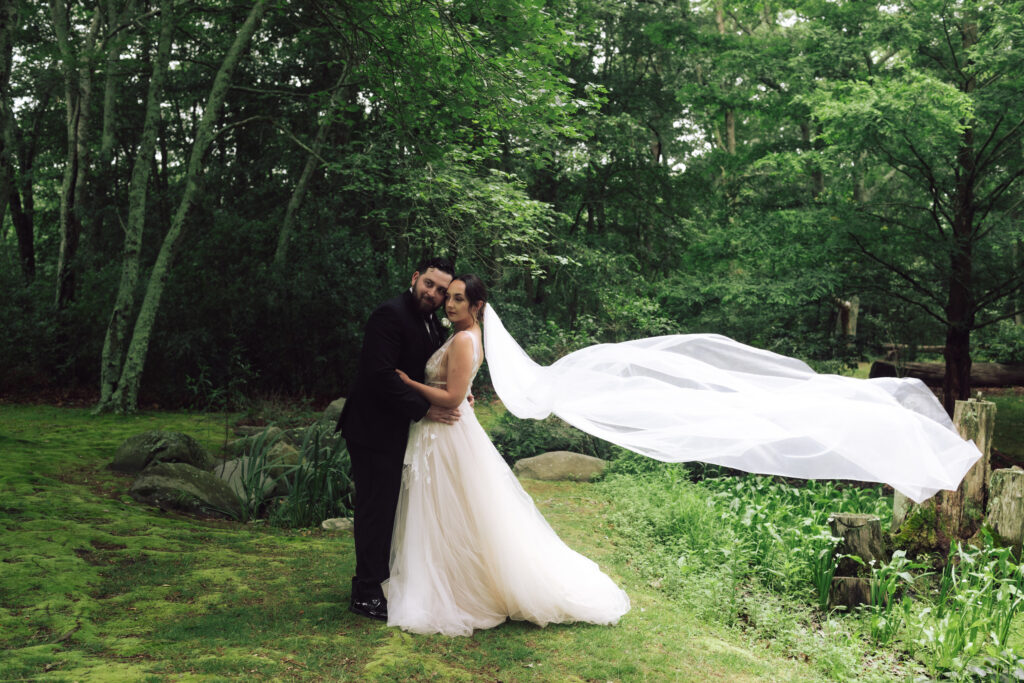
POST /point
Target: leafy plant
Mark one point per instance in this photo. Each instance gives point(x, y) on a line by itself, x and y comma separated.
point(259, 473)
point(320, 485)
point(886, 613)
point(823, 563)
point(980, 592)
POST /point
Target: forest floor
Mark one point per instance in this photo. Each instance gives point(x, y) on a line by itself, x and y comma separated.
point(98, 587)
point(94, 586)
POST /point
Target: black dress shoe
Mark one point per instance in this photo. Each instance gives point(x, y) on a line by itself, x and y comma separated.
point(375, 608)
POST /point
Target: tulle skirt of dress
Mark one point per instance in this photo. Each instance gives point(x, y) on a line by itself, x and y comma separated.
point(470, 549)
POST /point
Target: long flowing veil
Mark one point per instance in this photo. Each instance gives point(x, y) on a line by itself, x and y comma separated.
point(708, 398)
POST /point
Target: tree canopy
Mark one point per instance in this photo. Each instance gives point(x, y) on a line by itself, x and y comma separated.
point(204, 199)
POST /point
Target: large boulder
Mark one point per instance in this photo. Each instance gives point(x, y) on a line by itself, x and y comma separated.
point(181, 487)
point(560, 466)
point(149, 448)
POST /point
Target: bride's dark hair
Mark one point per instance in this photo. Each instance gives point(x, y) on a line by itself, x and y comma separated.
point(475, 290)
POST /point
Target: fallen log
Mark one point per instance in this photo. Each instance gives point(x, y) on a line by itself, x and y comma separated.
point(932, 374)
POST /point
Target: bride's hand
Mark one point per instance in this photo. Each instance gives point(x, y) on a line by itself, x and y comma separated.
point(404, 377)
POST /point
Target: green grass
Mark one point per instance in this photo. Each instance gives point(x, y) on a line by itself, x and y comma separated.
point(97, 587)
point(1009, 429)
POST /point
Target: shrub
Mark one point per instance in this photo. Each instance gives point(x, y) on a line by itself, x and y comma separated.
point(1002, 342)
point(516, 439)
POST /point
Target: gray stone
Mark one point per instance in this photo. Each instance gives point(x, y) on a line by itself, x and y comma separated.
point(281, 457)
point(236, 472)
point(333, 412)
point(182, 487)
point(560, 466)
point(149, 448)
point(337, 524)
point(245, 446)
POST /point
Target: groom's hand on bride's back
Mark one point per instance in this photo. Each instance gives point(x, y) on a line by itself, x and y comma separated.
point(448, 416)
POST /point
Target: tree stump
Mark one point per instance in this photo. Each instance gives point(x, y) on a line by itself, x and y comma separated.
point(1006, 507)
point(849, 591)
point(951, 514)
point(963, 510)
point(861, 536)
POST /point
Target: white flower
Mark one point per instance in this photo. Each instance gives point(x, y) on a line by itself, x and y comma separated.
point(446, 322)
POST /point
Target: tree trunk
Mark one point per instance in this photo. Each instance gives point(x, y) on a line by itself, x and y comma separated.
point(125, 397)
point(933, 374)
point(960, 303)
point(106, 177)
point(77, 73)
point(1017, 301)
point(114, 343)
point(21, 198)
point(8, 19)
point(299, 193)
point(730, 116)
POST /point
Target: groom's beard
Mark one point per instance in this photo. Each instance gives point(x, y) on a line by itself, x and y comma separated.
point(426, 304)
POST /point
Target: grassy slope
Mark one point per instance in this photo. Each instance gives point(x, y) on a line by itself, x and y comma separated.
point(96, 587)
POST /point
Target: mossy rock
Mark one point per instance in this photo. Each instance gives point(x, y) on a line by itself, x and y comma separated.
point(245, 446)
point(149, 448)
point(184, 488)
point(919, 533)
point(560, 466)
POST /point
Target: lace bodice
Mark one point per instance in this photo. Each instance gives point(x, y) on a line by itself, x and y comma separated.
point(437, 364)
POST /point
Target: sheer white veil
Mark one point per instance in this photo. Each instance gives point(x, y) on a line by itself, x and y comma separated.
point(708, 398)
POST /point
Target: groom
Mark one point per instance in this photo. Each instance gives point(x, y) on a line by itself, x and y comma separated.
point(401, 333)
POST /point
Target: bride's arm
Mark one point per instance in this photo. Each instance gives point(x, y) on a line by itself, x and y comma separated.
point(460, 371)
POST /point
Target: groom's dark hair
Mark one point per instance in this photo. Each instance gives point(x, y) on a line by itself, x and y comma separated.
point(438, 263)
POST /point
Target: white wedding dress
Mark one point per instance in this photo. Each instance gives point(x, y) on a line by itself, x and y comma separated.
point(470, 549)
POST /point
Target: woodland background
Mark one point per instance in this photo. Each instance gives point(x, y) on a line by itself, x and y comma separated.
point(202, 200)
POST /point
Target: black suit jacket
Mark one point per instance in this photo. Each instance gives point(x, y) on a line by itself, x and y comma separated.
point(380, 406)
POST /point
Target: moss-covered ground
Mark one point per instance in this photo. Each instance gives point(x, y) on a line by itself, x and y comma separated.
point(96, 587)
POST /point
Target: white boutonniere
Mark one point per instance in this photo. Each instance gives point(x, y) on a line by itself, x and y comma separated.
point(446, 322)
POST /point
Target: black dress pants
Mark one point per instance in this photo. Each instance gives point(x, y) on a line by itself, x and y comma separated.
point(377, 476)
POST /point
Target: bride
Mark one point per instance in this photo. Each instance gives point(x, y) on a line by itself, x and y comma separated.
point(470, 549)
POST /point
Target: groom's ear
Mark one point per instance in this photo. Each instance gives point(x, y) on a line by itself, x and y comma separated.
point(415, 277)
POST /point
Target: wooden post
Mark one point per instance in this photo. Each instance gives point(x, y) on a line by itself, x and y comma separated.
point(1006, 507)
point(963, 510)
point(861, 536)
point(951, 514)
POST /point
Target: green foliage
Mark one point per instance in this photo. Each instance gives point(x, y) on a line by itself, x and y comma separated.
point(1002, 342)
point(516, 439)
point(887, 613)
point(320, 485)
point(980, 592)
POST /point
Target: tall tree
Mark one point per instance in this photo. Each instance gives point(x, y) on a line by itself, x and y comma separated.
point(125, 396)
point(945, 115)
point(112, 362)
